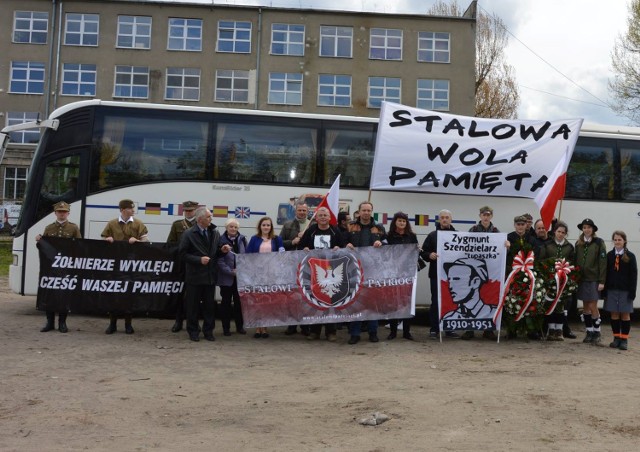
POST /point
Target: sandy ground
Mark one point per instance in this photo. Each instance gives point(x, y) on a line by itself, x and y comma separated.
point(156, 390)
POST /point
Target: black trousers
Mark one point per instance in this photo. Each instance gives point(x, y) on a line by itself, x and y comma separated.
point(230, 307)
point(196, 294)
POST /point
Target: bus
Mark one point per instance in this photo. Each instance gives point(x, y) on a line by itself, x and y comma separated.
point(246, 164)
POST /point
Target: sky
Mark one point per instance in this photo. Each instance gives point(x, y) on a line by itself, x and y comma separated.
point(560, 49)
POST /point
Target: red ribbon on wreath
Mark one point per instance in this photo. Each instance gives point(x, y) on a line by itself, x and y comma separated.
point(520, 264)
point(562, 268)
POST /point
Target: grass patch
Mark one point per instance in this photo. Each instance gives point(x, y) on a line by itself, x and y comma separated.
point(5, 257)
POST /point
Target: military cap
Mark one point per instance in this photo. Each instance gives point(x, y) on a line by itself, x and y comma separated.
point(528, 216)
point(486, 209)
point(61, 206)
point(520, 219)
point(126, 204)
point(190, 205)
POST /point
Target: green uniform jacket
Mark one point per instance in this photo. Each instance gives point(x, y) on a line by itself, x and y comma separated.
point(66, 230)
point(592, 260)
point(177, 228)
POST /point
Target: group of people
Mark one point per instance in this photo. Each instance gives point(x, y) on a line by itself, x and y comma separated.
point(209, 259)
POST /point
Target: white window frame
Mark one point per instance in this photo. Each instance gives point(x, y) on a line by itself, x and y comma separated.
point(285, 84)
point(187, 76)
point(32, 68)
point(140, 33)
point(384, 39)
point(133, 73)
point(434, 43)
point(236, 30)
point(334, 89)
point(432, 93)
point(17, 180)
point(178, 32)
point(69, 72)
point(235, 94)
point(290, 46)
point(383, 91)
point(85, 21)
point(21, 136)
point(330, 39)
point(34, 19)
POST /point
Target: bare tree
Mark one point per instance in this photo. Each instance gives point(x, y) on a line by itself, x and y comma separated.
point(496, 88)
point(625, 60)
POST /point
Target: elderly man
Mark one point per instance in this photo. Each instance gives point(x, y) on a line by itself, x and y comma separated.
point(291, 235)
point(429, 253)
point(59, 228)
point(199, 249)
point(177, 229)
point(129, 229)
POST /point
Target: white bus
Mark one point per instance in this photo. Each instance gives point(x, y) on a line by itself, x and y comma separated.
point(247, 164)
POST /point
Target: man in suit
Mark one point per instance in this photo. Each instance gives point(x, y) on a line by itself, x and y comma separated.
point(199, 249)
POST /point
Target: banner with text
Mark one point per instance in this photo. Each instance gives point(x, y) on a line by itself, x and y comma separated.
point(421, 150)
point(325, 286)
point(471, 270)
point(97, 277)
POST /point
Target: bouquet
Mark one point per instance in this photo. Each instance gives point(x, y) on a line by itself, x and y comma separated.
point(560, 280)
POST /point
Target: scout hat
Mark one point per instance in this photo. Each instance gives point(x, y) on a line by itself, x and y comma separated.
point(190, 205)
point(588, 221)
point(61, 206)
point(126, 204)
point(486, 209)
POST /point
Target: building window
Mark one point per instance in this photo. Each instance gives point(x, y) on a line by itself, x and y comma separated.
point(30, 27)
point(185, 34)
point(79, 79)
point(433, 94)
point(134, 32)
point(285, 88)
point(434, 47)
point(131, 82)
point(287, 39)
point(336, 42)
point(82, 29)
point(234, 37)
point(183, 84)
point(27, 77)
point(232, 86)
point(383, 88)
point(15, 182)
point(23, 136)
point(334, 90)
point(386, 44)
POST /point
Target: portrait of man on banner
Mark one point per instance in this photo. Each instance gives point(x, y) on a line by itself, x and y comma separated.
point(471, 275)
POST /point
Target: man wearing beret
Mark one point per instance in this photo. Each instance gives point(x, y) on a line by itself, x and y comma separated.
point(59, 228)
point(132, 230)
point(173, 240)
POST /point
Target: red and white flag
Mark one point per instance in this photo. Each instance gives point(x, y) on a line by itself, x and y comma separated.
point(332, 201)
point(553, 191)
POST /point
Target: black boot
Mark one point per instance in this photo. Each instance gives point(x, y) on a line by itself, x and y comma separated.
point(62, 323)
point(177, 326)
point(566, 330)
point(113, 325)
point(50, 325)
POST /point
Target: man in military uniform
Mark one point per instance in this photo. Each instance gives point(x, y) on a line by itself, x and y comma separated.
point(173, 240)
point(132, 230)
point(59, 228)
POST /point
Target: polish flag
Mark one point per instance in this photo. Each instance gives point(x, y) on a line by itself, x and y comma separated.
point(332, 201)
point(554, 189)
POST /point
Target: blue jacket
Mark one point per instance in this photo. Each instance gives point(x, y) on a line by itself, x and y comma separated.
point(255, 242)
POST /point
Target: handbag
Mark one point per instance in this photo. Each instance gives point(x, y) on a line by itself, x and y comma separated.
point(421, 263)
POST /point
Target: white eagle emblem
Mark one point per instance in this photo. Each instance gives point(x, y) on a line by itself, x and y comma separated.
point(330, 279)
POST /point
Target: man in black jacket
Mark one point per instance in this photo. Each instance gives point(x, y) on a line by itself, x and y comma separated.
point(429, 253)
point(199, 250)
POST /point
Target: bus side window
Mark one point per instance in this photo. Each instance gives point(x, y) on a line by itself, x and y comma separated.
point(60, 183)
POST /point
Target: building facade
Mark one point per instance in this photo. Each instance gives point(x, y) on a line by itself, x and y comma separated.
point(193, 53)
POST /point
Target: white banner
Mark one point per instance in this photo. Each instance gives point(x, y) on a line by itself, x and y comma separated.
point(471, 270)
point(421, 150)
